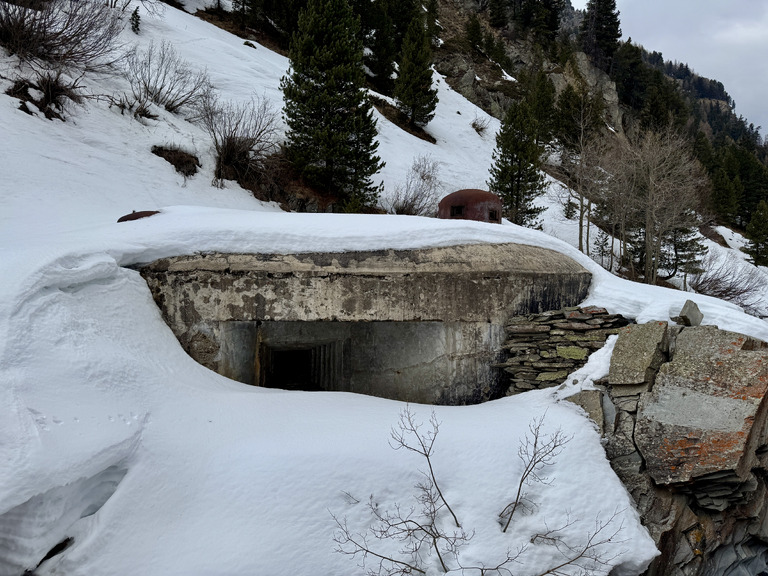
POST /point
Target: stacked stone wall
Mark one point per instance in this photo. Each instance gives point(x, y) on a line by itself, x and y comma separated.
point(544, 348)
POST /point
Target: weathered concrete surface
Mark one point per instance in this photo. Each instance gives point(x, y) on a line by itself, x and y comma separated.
point(699, 419)
point(639, 351)
point(477, 283)
point(472, 290)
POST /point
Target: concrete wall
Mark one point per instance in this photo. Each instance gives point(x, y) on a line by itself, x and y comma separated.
point(423, 325)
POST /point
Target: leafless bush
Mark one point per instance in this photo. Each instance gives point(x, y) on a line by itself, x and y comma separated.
point(586, 555)
point(48, 90)
point(160, 75)
point(730, 279)
point(418, 195)
point(243, 135)
point(420, 533)
point(480, 125)
point(537, 452)
point(65, 33)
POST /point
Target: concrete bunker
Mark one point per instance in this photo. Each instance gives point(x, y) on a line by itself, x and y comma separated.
point(415, 325)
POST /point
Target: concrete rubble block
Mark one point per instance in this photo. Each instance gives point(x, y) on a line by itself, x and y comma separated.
point(704, 417)
point(592, 403)
point(690, 315)
point(639, 351)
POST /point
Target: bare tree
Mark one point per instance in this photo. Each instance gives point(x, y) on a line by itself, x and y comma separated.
point(417, 196)
point(78, 34)
point(243, 135)
point(656, 187)
point(584, 149)
point(158, 74)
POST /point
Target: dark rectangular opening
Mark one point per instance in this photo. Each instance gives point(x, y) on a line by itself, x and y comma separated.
point(290, 370)
point(457, 211)
point(493, 216)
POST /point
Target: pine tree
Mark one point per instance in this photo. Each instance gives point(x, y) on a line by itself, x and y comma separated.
point(474, 32)
point(433, 28)
point(515, 175)
point(497, 13)
point(331, 129)
point(381, 59)
point(757, 233)
point(413, 88)
point(600, 32)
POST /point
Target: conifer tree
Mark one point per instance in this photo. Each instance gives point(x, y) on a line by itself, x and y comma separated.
point(433, 28)
point(413, 88)
point(600, 32)
point(331, 137)
point(474, 32)
point(757, 232)
point(515, 175)
point(381, 59)
point(497, 13)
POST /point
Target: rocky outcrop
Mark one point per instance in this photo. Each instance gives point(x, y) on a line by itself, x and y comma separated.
point(685, 418)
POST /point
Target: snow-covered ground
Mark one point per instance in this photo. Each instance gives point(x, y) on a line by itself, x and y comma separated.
point(111, 435)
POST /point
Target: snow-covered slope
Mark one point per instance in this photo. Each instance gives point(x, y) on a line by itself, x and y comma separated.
point(112, 436)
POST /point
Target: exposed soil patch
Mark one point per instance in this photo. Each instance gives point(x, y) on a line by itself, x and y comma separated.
point(184, 162)
point(394, 115)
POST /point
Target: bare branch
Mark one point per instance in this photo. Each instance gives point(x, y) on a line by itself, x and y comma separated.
point(160, 75)
point(537, 451)
point(730, 279)
point(418, 195)
point(408, 431)
point(589, 554)
point(65, 34)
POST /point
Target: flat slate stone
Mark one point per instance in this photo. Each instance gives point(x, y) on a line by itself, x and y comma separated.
point(639, 351)
point(702, 416)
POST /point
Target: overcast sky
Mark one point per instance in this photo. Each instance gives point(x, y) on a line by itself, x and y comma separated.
point(722, 39)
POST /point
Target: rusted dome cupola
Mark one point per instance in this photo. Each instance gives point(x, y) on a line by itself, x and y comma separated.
point(471, 204)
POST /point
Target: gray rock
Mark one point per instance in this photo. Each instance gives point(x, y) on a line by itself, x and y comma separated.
point(639, 351)
point(698, 421)
point(690, 315)
point(591, 402)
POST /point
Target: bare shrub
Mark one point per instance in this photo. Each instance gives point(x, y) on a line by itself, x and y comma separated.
point(417, 196)
point(403, 540)
point(160, 75)
point(243, 135)
point(729, 278)
point(480, 125)
point(184, 162)
point(537, 452)
point(49, 91)
point(66, 33)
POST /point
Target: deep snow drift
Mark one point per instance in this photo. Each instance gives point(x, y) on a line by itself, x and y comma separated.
point(112, 436)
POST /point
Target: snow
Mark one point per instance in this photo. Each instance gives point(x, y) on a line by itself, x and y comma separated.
point(110, 434)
